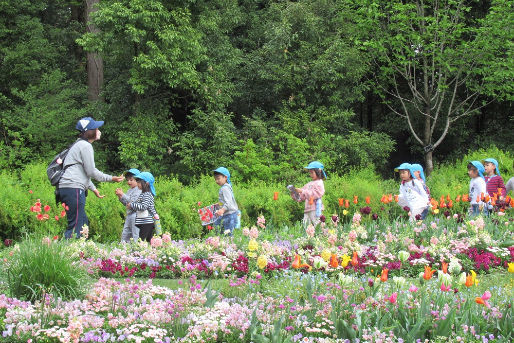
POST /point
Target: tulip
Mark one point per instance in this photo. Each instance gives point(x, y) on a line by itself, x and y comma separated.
point(368, 199)
point(445, 288)
point(355, 259)
point(457, 199)
point(403, 255)
point(511, 267)
point(413, 289)
point(347, 203)
point(296, 263)
point(427, 275)
point(334, 263)
point(345, 260)
point(444, 267)
point(275, 196)
point(483, 299)
point(341, 202)
point(393, 297)
point(355, 199)
point(383, 276)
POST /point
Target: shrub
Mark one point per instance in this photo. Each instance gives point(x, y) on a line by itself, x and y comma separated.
point(37, 267)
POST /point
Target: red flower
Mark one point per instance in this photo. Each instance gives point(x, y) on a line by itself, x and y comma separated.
point(39, 216)
point(56, 217)
point(209, 227)
point(56, 238)
point(63, 213)
point(30, 191)
point(63, 205)
point(199, 203)
point(275, 196)
point(46, 208)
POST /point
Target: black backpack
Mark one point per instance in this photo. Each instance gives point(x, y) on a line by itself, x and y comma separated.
point(56, 169)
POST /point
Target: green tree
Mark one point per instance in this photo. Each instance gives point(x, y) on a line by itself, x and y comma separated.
point(432, 61)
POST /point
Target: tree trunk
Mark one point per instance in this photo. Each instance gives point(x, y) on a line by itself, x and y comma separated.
point(95, 67)
point(429, 165)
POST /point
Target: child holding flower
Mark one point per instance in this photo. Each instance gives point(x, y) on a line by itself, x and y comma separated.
point(130, 230)
point(312, 192)
point(229, 210)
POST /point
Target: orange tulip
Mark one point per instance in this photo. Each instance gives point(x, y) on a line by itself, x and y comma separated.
point(507, 199)
point(383, 199)
point(275, 196)
point(334, 263)
point(442, 204)
point(296, 263)
point(450, 204)
point(457, 199)
point(341, 202)
point(444, 267)
point(347, 203)
point(465, 197)
point(493, 202)
point(447, 197)
point(355, 199)
point(487, 198)
point(396, 197)
point(427, 275)
point(442, 198)
point(512, 202)
point(469, 280)
point(383, 276)
point(480, 301)
point(390, 198)
point(499, 191)
point(355, 259)
point(368, 200)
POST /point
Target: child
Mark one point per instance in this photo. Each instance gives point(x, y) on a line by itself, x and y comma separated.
point(130, 230)
point(476, 188)
point(145, 206)
point(412, 193)
point(312, 192)
point(493, 179)
point(420, 176)
point(229, 211)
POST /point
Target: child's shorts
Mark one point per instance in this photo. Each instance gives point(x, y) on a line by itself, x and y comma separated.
point(474, 210)
point(228, 221)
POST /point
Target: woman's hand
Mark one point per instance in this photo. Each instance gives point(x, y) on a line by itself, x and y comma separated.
point(118, 178)
point(299, 190)
point(97, 193)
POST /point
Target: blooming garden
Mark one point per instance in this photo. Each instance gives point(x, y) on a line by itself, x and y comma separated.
point(354, 278)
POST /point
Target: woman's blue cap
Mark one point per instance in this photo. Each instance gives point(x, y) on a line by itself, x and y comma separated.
point(493, 161)
point(223, 171)
point(148, 177)
point(317, 165)
point(133, 171)
point(418, 167)
point(479, 166)
point(88, 123)
point(406, 166)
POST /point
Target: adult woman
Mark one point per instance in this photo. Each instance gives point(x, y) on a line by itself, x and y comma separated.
point(79, 168)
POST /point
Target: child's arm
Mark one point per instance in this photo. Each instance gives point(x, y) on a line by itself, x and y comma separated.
point(421, 191)
point(316, 191)
point(402, 198)
point(142, 205)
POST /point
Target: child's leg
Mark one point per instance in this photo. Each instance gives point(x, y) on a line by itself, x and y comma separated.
point(134, 230)
point(146, 231)
point(126, 234)
point(310, 218)
point(229, 223)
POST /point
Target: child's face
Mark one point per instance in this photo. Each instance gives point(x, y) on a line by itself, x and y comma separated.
point(490, 168)
point(312, 174)
point(131, 181)
point(404, 174)
point(472, 173)
point(139, 184)
point(220, 179)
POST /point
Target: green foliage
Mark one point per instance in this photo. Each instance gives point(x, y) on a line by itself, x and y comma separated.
point(37, 268)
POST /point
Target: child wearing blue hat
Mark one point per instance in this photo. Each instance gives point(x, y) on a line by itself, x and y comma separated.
point(477, 188)
point(145, 206)
point(412, 194)
point(229, 211)
point(312, 192)
point(130, 230)
point(493, 179)
point(420, 176)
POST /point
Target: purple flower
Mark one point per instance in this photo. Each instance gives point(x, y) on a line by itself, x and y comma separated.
point(8, 242)
point(406, 208)
point(374, 216)
point(322, 218)
point(366, 210)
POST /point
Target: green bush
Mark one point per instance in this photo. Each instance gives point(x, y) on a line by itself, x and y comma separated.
point(178, 204)
point(37, 267)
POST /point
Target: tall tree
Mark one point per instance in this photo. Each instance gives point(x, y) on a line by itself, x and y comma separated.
point(431, 58)
point(95, 64)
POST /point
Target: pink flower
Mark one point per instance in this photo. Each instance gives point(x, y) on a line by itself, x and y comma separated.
point(246, 232)
point(434, 240)
point(352, 236)
point(445, 288)
point(254, 233)
point(310, 230)
point(393, 297)
point(413, 289)
point(166, 238)
point(156, 242)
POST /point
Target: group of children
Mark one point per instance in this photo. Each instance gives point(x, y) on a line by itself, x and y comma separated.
point(414, 196)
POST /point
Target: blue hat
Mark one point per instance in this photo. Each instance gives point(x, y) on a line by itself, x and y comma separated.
point(479, 166)
point(317, 165)
point(148, 177)
point(132, 171)
point(418, 167)
point(406, 166)
point(493, 161)
point(88, 123)
point(223, 171)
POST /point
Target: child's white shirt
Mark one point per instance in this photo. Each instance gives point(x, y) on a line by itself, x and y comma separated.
point(413, 194)
point(477, 187)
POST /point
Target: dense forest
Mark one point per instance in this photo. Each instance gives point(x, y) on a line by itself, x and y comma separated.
point(259, 86)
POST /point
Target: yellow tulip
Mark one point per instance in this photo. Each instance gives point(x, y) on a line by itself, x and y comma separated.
point(345, 261)
point(262, 262)
point(325, 255)
point(345, 212)
point(511, 267)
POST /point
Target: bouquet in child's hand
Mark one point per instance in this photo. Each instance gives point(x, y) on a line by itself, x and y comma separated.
point(294, 193)
point(208, 214)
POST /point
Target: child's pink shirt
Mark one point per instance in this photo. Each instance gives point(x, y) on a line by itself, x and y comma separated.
point(315, 190)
